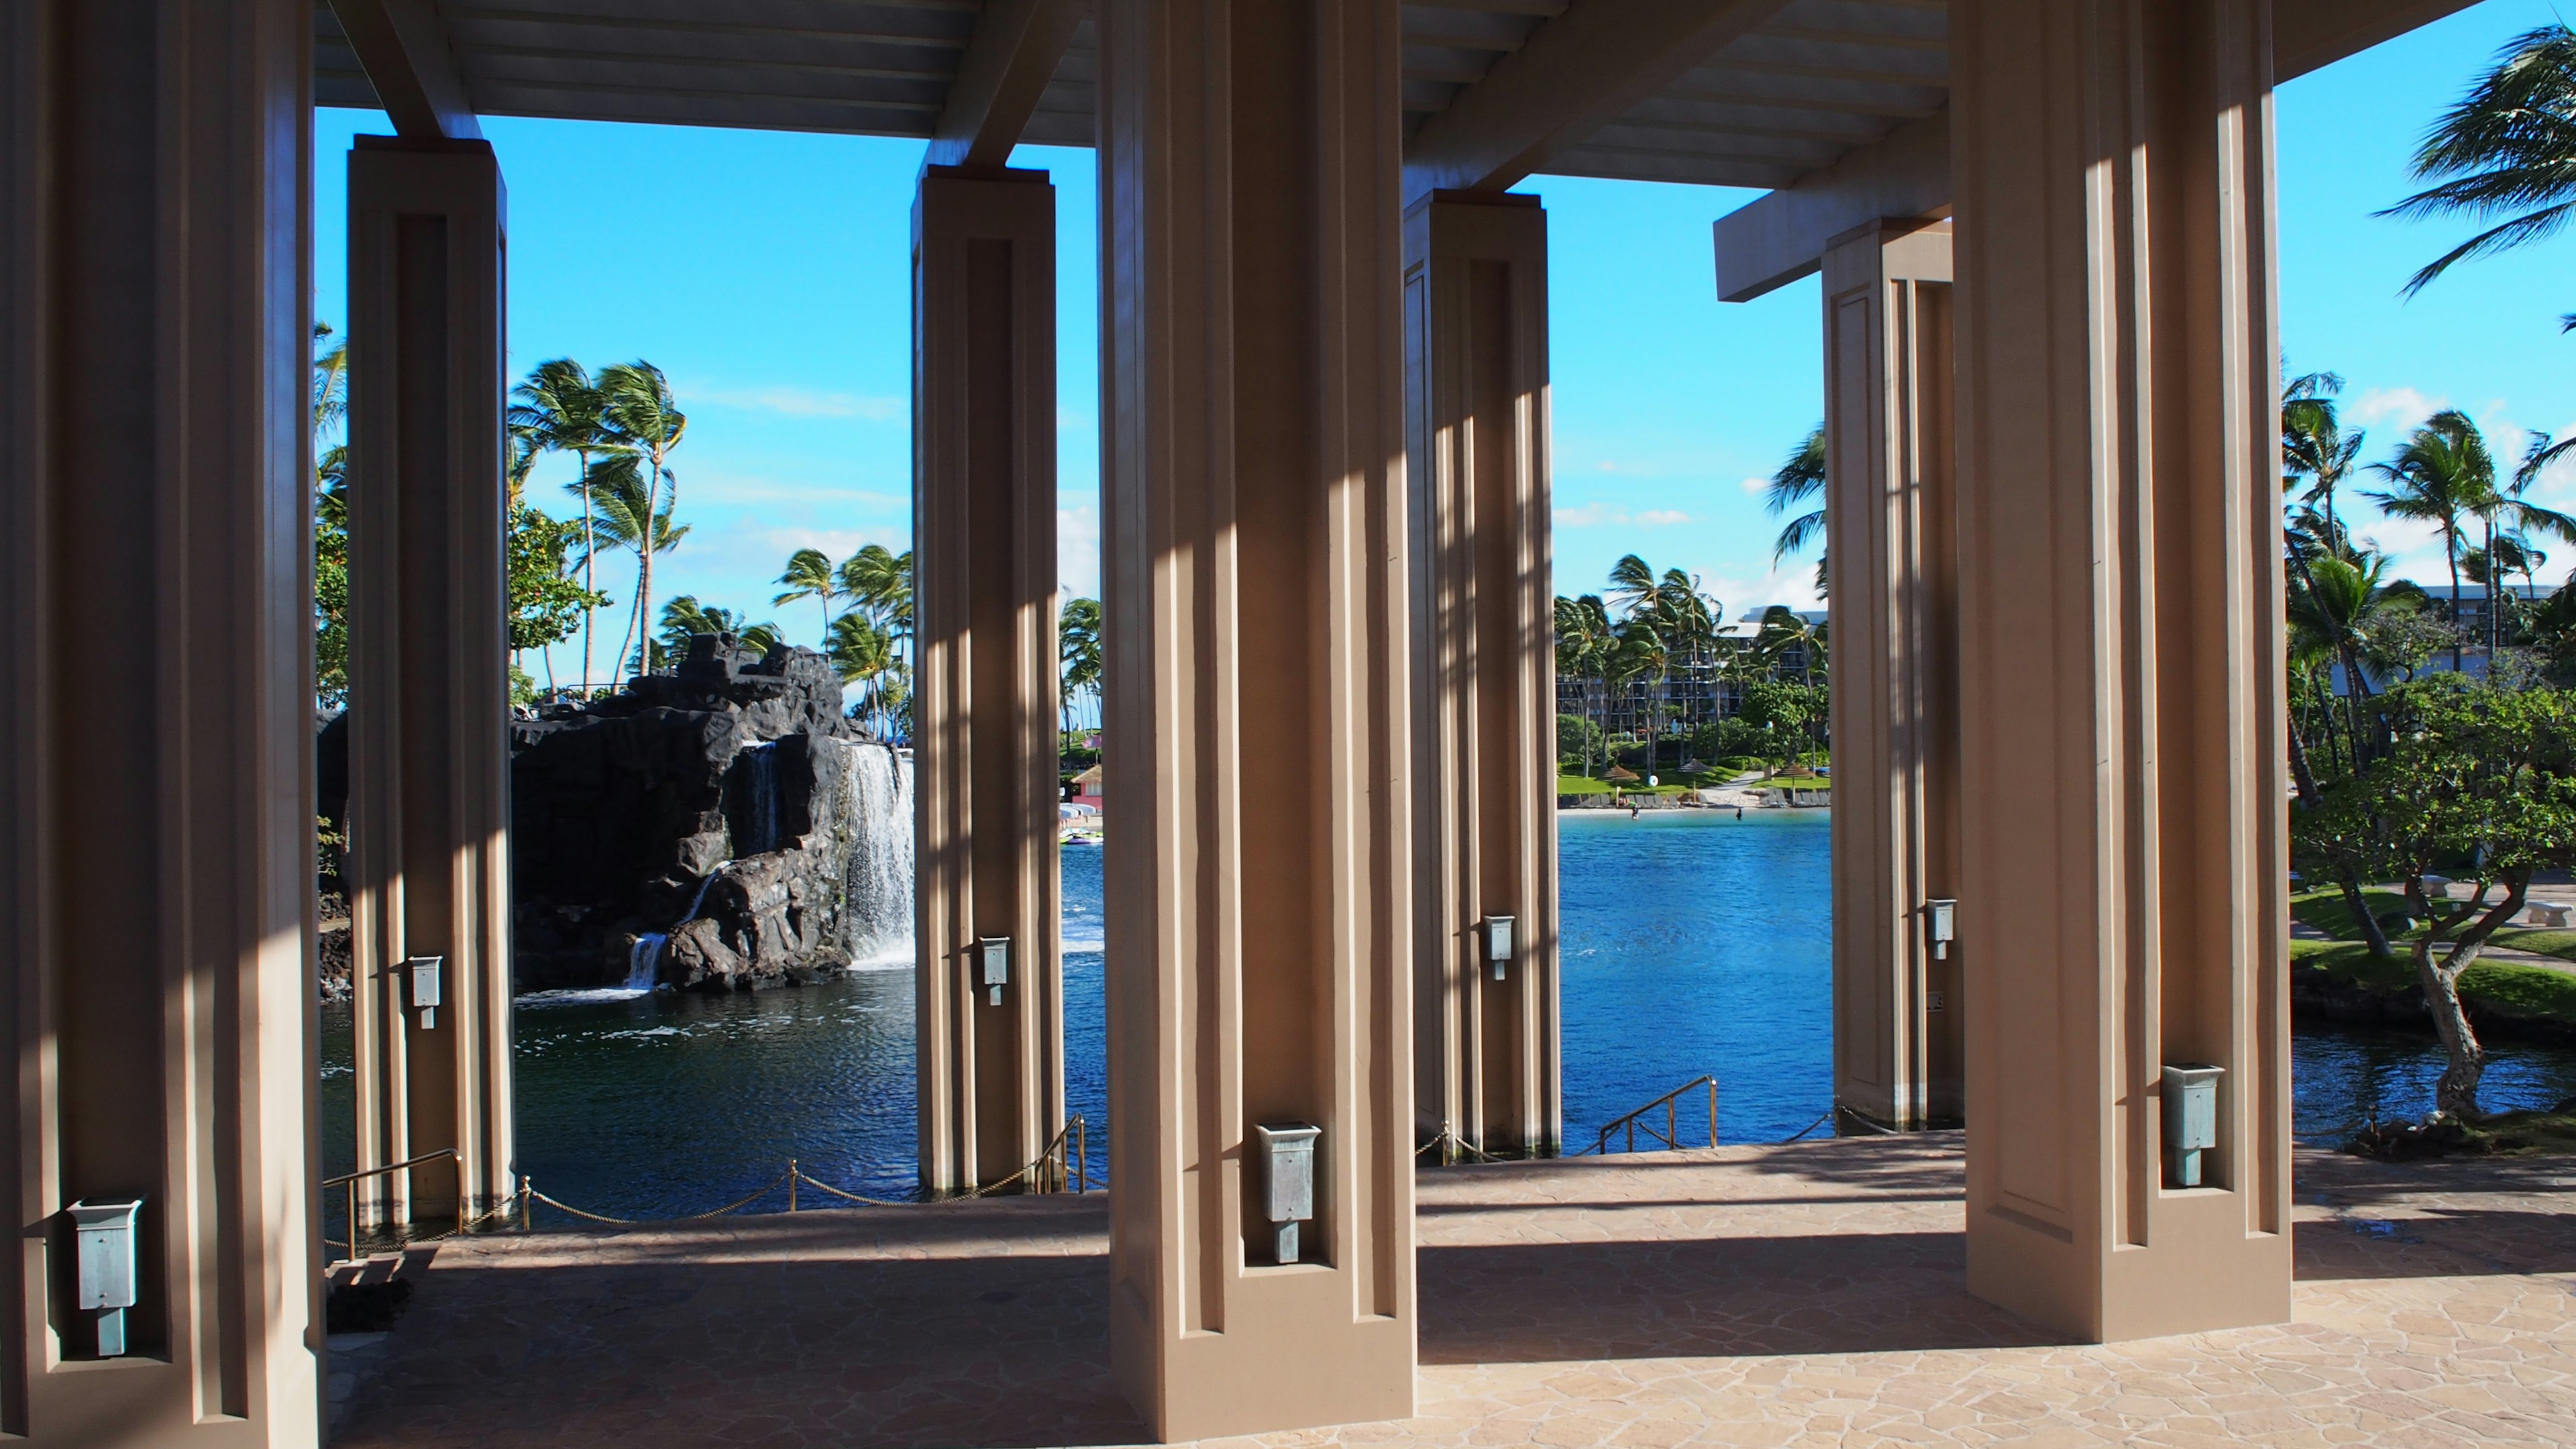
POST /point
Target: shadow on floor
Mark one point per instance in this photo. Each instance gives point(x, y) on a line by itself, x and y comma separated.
point(1004, 1351)
point(1721, 1298)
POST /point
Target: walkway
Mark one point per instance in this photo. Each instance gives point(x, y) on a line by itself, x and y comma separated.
point(1766, 1295)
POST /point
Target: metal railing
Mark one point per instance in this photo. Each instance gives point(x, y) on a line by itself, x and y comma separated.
point(349, 1182)
point(1064, 1164)
point(1670, 1136)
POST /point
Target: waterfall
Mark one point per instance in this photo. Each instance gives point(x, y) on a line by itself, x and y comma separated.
point(877, 900)
point(644, 959)
point(760, 782)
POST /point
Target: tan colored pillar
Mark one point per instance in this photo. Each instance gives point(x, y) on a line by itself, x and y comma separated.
point(985, 746)
point(1258, 849)
point(1894, 552)
point(428, 675)
point(156, 800)
point(1486, 1063)
point(2121, 673)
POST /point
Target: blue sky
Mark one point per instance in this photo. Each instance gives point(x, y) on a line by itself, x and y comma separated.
point(768, 275)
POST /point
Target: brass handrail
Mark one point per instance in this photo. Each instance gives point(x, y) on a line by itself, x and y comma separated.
point(1671, 1135)
point(1066, 1160)
point(350, 1181)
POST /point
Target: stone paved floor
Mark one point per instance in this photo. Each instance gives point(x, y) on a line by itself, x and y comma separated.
point(1769, 1295)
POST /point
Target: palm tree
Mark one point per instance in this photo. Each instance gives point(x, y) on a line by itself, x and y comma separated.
point(622, 498)
point(1582, 634)
point(2315, 447)
point(1078, 651)
point(1584, 643)
point(1784, 630)
point(863, 654)
point(1643, 649)
point(559, 409)
point(1801, 478)
point(641, 415)
point(2443, 476)
point(2507, 150)
point(809, 576)
point(881, 582)
point(1689, 623)
point(684, 617)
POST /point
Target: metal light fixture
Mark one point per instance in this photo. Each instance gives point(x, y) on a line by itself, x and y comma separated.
point(105, 1233)
point(1498, 943)
point(2190, 1093)
point(423, 974)
point(1288, 1179)
point(993, 958)
point(1940, 919)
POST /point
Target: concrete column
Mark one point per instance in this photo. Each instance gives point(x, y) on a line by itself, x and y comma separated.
point(2121, 674)
point(428, 675)
point(985, 722)
point(156, 778)
point(1486, 1063)
point(1893, 547)
point(1259, 877)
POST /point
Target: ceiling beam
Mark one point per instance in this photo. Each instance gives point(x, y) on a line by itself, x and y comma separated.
point(2312, 34)
point(1578, 72)
point(1782, 237)
point(403, 48)
point(1017, 46)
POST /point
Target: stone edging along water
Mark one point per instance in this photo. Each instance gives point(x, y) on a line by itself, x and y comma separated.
point(2317, 998)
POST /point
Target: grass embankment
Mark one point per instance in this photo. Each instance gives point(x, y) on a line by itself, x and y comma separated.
point(1679, 782)
point(2504, 988)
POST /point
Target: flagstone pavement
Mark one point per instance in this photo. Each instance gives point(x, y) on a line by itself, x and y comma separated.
point(1789, 1295)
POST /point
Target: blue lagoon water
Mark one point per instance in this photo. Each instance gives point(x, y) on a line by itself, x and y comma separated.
point(1692, 943)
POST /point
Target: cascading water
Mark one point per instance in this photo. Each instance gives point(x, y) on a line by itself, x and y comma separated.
point(760, 781)
point(644, 961)
point(877, 899)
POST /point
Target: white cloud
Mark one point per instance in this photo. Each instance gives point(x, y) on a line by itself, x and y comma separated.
point(2392, 411)
point(1070, 418)
point(746, 489)
point(799, 402)
point(1792, 582)
point(1756, 486)
point(1077, 550)
point(1612, 515)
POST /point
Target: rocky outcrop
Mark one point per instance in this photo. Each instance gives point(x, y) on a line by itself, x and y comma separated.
point(719, 806)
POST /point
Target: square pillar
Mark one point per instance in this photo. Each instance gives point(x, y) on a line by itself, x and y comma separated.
point(1259, 878)
point(1892, 543)
point(2121, 677)
point(984, 739)
point(1486, 1060)
point(156, 765)
point(429, 705)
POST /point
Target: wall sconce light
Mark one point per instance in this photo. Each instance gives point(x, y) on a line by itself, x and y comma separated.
point(104, 1235)
point(993, 958)
point(1288, 1178)
point(423, 973)
point(1498, 943)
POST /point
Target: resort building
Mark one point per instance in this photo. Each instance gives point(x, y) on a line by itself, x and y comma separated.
point(2046, 233)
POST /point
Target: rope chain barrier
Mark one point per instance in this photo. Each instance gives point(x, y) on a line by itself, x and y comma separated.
point(1064, 1164)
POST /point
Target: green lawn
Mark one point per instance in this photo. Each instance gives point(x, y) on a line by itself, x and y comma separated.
point(2324, 909)
point(2506, 987)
